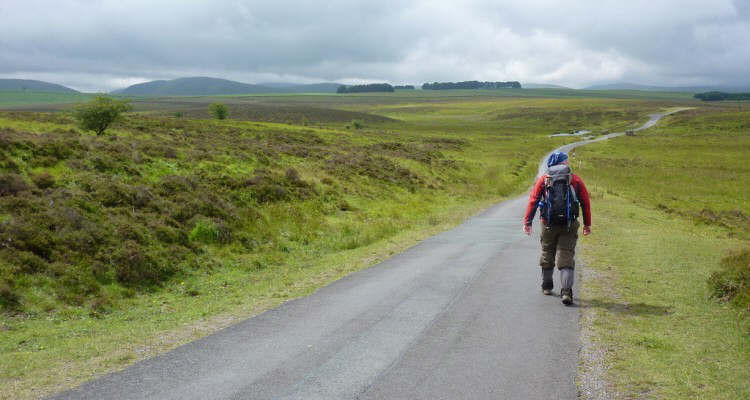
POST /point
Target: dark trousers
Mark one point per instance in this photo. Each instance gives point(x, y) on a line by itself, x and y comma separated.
point(559, 244)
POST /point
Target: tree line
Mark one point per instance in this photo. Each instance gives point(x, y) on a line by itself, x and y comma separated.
point(471, 85)
point(372, 87)
point(718, 96)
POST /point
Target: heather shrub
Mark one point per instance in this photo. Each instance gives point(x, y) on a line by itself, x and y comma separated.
point(43, 180)
point(12, 184)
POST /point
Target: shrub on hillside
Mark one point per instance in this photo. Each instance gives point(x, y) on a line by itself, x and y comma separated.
point(12, 184)
point(100, 113)
point(218, 110)
point(269, 187)
point(732, 281)
point(136, 265)
point(43, 180)
point(209, 232)
point(9, 299)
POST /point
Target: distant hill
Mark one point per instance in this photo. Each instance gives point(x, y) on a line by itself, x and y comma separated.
point(194, 86)
point(34, 86)
point(543, 86)
point(692, 89)
point(201, 86)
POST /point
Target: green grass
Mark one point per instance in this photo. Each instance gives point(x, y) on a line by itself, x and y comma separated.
point(12, 99)
point(168, 228)
point(428, 95)
point(669, 205)
point(694, 163)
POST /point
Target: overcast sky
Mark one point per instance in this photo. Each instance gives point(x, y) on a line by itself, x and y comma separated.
point(103, 45)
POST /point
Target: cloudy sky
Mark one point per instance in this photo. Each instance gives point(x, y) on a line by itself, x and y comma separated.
point(102, 45)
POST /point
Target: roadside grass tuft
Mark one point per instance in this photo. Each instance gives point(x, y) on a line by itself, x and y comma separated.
point(732, 281)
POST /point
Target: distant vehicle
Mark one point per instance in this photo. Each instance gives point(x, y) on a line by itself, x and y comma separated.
point(629, 132)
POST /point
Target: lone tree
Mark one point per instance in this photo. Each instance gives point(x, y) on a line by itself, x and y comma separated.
point(218, 110)
point(98, 114)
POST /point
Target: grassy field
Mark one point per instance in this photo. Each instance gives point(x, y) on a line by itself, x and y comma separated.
point(14, 99)
point(116, 248)
point(671, 208)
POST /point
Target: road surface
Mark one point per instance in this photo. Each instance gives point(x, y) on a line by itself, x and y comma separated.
point(458, 316)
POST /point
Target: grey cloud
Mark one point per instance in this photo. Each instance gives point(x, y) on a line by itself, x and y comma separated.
point(103, 44)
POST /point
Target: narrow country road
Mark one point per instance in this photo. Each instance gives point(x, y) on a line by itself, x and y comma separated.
point(458, 316)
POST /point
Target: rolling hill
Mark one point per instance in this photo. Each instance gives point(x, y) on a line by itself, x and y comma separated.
point(33, 86)
point(199, 86)
point(193, 86)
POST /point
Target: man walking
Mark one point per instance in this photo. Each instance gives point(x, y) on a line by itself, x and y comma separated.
point(559, 194)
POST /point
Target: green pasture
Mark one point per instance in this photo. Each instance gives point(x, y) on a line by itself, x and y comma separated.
point(693, 164)
point(670, 211)
point(15, 99)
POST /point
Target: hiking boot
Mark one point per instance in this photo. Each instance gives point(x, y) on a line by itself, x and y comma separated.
point(567, 296)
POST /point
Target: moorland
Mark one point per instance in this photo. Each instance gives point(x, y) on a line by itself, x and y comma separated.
point(173, 224)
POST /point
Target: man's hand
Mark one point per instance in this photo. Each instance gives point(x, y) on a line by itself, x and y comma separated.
point(527, 229)
point(586, 230)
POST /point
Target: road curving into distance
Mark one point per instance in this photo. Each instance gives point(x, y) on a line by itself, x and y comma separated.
point(458, 316)
point(653, 119)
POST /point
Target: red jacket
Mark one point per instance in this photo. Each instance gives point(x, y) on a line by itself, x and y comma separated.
point(538, 192)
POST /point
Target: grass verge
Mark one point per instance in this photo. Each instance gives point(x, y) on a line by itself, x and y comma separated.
point(42, 357)
point(654, 325)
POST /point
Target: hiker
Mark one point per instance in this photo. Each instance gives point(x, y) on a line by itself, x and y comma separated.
point(559, 193)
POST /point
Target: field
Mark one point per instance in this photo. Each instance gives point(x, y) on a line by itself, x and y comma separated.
point(21, 99)
point(172, 225)
point(666, 289)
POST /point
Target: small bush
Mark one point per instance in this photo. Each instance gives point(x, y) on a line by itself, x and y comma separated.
point(218, 110)
point(205, 232)
point(292, 175)
point(31, 234)
point(43, 180)
point(268, 187)
point(57, 149)
point(134, 266)
point(100, 113)
point(732, 281)
point(114, 193)
point(170, 235)
point(28, 262)
point(12, 184)
point(172, 184)
point(9, 300)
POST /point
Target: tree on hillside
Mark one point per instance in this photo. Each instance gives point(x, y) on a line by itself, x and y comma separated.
point(218, 110)
point(98, 114)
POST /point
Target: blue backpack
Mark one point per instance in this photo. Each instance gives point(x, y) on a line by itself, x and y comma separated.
point(560, 204)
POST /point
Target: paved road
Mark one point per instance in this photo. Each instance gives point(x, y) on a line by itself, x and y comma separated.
point(458, 316)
